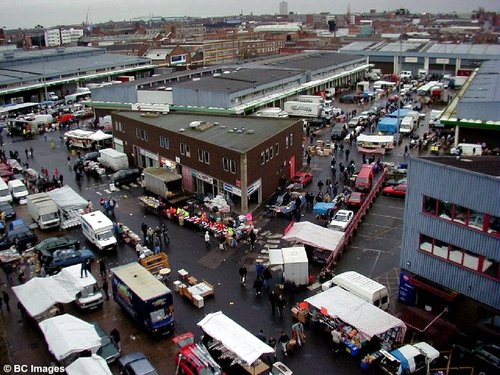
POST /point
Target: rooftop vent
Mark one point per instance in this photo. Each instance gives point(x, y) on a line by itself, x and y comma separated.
point(182, 130)
point(250, 131)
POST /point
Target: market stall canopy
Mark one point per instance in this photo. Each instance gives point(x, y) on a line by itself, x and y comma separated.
point(368, 319)
point(66, 335)
point(67, 199)
point(100, 136)
point(78, 133)
point(41, 293)
point(94, 365)
point(314, 235)
point(234, 337)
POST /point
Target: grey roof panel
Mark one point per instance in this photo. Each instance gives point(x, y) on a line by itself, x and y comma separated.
point(487, 165)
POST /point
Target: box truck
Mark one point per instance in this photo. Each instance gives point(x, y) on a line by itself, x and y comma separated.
point(111, 158)
point(409, 359)
point(43, 210)
point(98, 229)
point(303, 109)
point(142, 296)
point(162, 182)
point(361, 286)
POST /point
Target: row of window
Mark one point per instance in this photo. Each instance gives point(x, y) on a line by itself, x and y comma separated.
point(459, 256)
point(269, 153)
point(461, 215)
point(229, 165)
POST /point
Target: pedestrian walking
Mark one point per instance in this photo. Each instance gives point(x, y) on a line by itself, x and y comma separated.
point(308, 160)
point(31, 151)
point(406, 151)
point(259, 268)
point(6, 299)
point(257, 285)
point(253, 237)
point(105, 288)
point(61, 179)
point(283, 341)
point(207, 240)
point(320, 185)
point(116, 338)
point(156, 244)
point(347, 152)
point(271, 341)
point(222, 243)
point(69, 161)
point(102, 268)
point(267, 276)
point(85, 268)
point(272, 300)
point(26, 152)
point(243, 274)
point(280, 304)
point(144, 229)
point(164, 234)
point(261, 336)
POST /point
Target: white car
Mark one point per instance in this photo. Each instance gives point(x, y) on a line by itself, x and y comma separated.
point(341, 220)
point(354, 122)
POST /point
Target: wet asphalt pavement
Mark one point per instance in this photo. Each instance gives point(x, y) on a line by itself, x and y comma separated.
point(374, 251)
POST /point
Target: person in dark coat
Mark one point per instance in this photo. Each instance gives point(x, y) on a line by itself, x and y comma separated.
point(102, 268)
point(272, 300)
point(257, 285)
point(253, 237)
point(243, 274)
point(280, 304)
point(105, 288)
point(6, 299)
point(115, 337)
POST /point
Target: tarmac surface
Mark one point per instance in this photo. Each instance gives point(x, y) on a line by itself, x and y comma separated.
point(374, 251)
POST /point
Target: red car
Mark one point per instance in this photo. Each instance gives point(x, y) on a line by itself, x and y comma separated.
point(302, 178)
point(356, 199)
point(395, 191)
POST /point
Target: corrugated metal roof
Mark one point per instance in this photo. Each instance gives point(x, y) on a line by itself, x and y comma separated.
point(488, 165)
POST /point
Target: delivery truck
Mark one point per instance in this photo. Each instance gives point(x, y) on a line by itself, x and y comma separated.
point(98, 229)
point(162, 182)
point(144, 298)
point(409, 359)
point(303, 109)
point(43, 210)
point(113, 159)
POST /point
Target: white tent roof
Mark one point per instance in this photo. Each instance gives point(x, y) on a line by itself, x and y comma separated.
point(94, 365)
point(234, 337)
point(375, 138)
point(369, 320)
point(67, 199)
point(41, 293)
point(100, 136)
point(66, 335)
point(314, 235)
point(78, 133)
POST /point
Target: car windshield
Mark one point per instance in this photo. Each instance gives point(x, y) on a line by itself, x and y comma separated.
point(50, 216)
point(4, 193)
point(158, 315)
point(105, 236)
point(19, 189)
point(340, 217)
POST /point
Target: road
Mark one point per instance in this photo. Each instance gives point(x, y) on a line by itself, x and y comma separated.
point(374, 252)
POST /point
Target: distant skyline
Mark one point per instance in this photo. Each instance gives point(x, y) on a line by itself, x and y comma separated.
point(48, 13)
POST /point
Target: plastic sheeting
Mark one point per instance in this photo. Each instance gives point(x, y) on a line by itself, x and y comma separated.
point(234, 337)
point(40, 294)
point(66, 335)
point(94, 365)
point(67, 199)
point(314, 235)
point(369, 320)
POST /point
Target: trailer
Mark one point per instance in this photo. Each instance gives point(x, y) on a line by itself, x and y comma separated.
point(70, 205)
point(113, 159)
point(303, 109)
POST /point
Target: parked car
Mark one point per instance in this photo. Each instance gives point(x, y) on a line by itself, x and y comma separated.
point(356, 199)
point(53, 262)
point(8, 210)
point(341, 220)
point(395, 191)
point(394, 182)
point(108, 350)
point(136, 364)
point(52, 244)
point(354, 122)
point(347, 98)
point(6, 172)
point(20, 235)
point(124, 176)
point(302, 178)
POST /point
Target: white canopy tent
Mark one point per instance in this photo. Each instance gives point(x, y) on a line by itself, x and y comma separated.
point(66, 335)
point(368, 319)
point(100, 136)
point(41, 293)
point(314, 235)
point(234, 337)
point(68, 199)
point(94, 365)
point(78, 133)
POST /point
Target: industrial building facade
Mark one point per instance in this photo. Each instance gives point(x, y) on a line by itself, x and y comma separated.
point(240, 157)
point(451, 241)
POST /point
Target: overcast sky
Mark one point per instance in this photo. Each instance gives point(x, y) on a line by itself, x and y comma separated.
point(29, 13)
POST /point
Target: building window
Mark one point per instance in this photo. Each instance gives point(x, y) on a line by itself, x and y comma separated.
point(271, 152)
point(262, 158)
point(185, 150)
point(118, 126)
point(225, 164)
point(460, 215)
point(267, 155)
point(203, 156)
point(459, 256)
point(141, 134)
point(232, 166)
point(286, 141)
point(290, 141)
point(276, 149)
point(164, 142)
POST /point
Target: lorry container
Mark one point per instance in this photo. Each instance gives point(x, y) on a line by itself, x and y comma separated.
point(365, 288)
point(293, 262)
point(162, 182)
point(144, 298)
point(303, 109)
point(43, 210)
point(409, 359)
point(113, 159)
point(98, 229)
point(308, 99)
point(388, 125)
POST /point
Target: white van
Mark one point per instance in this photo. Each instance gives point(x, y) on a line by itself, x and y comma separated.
point(407, 125)
point(18, 190)
point(365, 288)
point(89, 296)
point(98, 229)
point(467, 149)
point(5, 195)
point(434, 118)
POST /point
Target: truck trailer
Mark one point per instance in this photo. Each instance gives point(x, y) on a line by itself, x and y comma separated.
point(144, 298)
point(303, 109)
point(43, 210)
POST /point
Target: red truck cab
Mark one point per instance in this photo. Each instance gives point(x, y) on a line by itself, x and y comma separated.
point(193, 358)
